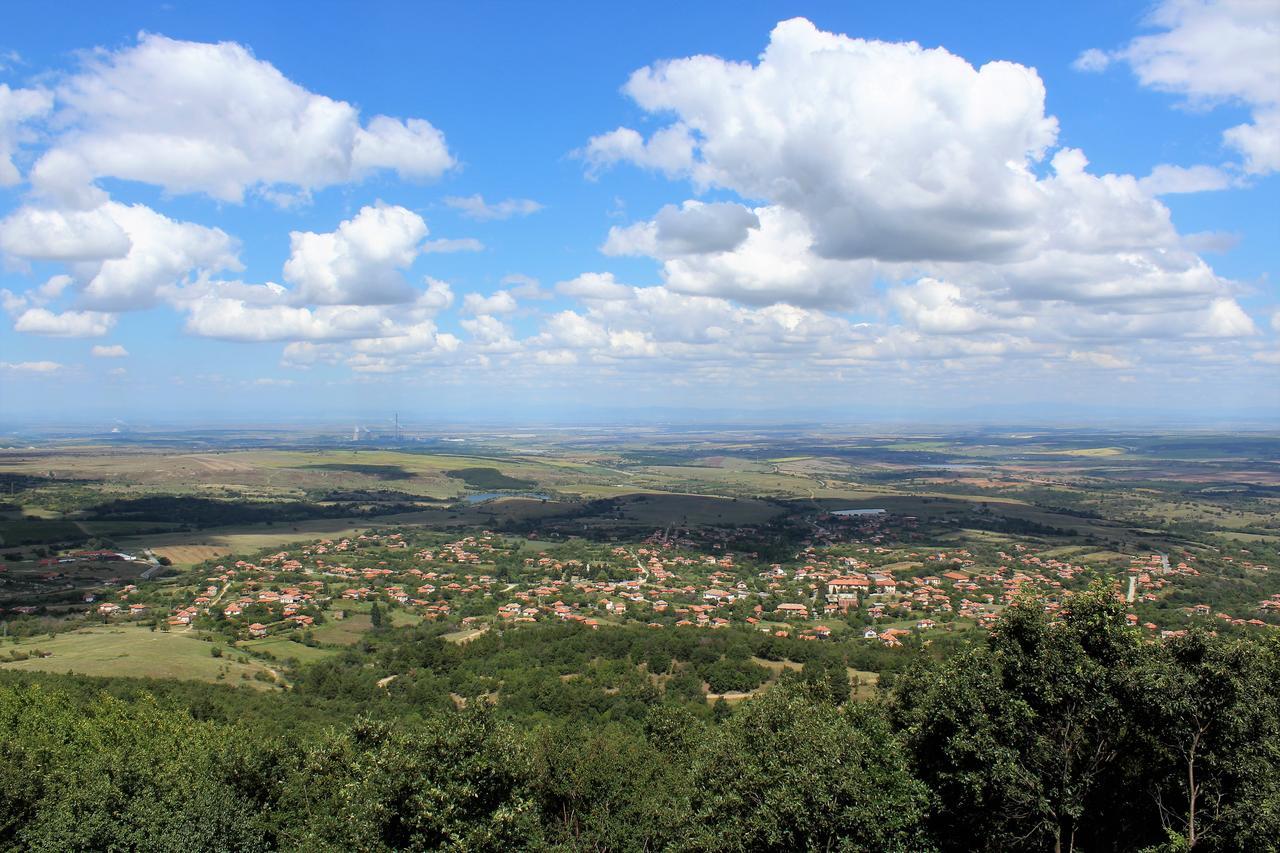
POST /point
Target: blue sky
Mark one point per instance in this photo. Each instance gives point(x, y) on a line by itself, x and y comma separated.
point(844, 227)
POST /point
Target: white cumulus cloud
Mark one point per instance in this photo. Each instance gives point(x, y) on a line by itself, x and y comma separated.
point(362, 262)
point(68, 324)
point(212, 118)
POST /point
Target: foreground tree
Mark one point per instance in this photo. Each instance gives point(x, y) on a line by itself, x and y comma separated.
point(1077, 733)
point(460, 781)
point(1212, 736)
point(1021, 740)
point(788, 773)
point(122, 776)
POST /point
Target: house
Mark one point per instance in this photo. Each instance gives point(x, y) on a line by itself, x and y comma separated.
point(925, 624)
point(846, 588)
point(257, 629)
point(885, 584)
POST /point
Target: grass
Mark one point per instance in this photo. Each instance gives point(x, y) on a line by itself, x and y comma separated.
point(1099, 557)
point(134, 651)
point(899, 566)
point(464, 636)
point(400, 618)
point(343, 632)
point(283, 648)
point(38, 531)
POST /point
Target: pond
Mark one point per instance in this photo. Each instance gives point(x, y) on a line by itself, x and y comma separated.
point(482, 497)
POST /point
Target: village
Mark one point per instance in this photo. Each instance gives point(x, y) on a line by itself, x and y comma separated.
point(849, 581)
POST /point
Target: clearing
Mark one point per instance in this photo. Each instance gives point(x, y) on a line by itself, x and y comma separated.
point(131, 650)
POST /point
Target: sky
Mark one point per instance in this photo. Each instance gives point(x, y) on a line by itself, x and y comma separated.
point(851, 211)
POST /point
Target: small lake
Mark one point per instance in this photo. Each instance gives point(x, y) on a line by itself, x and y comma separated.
point(482, 497)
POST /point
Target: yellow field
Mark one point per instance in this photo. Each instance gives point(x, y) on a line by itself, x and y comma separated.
point(189, 555)
point(899, 567)
point(1092, 452)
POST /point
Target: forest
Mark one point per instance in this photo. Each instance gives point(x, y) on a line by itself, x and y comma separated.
point(1064, 733)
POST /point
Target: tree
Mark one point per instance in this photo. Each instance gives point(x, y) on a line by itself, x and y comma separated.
point(459, 781)
point(788, 773)
point(826, 678)
point(375, 615)
point(1212, 735)
point(1023, 742)
point(609, 789)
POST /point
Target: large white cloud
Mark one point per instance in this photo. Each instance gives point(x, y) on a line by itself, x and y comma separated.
point(890, 150)
point(120, 257)
point(359, 263)
point(163, 252)
point(212, 118)
point(895, 164)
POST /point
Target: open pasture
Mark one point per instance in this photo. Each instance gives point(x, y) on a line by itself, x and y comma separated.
point(133, 651)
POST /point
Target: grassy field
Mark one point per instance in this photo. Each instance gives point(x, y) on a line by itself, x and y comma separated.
point(343, 632)
point(283, 648)
point(400, 618)
point(129, 650)
point(24, 530)
point(464, 636)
